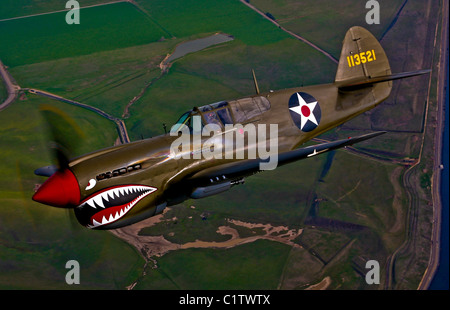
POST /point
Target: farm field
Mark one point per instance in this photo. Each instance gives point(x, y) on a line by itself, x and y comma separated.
point(112, 62)
point(47, 37)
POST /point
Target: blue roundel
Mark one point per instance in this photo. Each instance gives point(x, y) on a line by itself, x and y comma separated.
point(305, 111)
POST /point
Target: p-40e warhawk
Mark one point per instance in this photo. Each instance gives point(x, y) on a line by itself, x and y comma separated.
point(124, 184)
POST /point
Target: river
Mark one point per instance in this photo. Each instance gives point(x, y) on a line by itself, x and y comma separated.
point(441, 278)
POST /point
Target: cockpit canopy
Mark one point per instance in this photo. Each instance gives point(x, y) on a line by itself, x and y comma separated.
point(234, 112)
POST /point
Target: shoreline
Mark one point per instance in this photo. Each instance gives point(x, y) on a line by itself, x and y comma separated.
point(433, 262)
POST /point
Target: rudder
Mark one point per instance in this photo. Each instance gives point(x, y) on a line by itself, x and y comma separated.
point(362, 57)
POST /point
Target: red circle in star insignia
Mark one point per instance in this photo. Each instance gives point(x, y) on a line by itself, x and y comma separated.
point(306, 111)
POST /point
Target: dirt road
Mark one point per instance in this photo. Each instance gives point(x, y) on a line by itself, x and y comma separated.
point(11, 87)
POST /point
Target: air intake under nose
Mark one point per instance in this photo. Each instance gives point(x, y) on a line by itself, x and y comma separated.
point(60, 190)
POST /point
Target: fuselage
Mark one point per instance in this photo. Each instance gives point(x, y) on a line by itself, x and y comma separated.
point(113, 176)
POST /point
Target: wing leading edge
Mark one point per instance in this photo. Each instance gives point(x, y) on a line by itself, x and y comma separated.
point(236, 170)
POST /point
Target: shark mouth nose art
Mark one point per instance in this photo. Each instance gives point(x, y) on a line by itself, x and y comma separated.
point(111, 204)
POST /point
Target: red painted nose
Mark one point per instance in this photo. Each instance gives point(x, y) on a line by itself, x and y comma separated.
point(60, 190)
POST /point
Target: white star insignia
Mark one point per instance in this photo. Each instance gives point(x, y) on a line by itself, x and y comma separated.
point(305, 110)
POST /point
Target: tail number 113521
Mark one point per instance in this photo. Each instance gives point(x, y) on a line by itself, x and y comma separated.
point(361, 58)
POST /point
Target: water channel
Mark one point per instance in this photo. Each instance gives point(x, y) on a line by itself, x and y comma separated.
point(197, 45)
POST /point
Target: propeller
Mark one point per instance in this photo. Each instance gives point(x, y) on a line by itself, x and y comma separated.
point(61, 188)
point(64, 132)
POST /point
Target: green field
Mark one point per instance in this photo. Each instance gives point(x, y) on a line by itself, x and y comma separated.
point(46, 37)
point(188, 18)
point(113, 56)
point(256, 266)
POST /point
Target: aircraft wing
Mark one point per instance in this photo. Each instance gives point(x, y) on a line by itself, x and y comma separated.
point(213, 176)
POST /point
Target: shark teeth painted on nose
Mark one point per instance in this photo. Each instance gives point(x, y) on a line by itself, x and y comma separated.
point(112, 204)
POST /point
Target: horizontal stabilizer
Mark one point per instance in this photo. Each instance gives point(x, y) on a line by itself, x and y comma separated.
point(353, 85)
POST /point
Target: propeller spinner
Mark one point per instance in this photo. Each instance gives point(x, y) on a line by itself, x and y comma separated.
point(60, 190)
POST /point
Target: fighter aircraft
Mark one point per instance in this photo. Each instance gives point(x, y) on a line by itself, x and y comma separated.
point(124, 184)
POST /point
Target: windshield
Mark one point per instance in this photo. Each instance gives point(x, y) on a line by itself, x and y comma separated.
point(185, 119)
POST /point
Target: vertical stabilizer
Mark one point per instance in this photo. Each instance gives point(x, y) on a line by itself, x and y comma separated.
point(362, 57)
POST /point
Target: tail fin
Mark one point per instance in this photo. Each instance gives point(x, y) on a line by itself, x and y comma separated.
point(364, 75)
point(362, 57)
